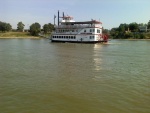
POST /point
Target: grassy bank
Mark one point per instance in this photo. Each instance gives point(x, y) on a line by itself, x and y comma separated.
point(147, 35)
point(16, 35)
point(130, 35)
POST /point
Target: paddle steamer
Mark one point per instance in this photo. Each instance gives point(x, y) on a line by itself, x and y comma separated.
point(68, 30)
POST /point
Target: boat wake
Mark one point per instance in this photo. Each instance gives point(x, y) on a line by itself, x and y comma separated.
point(112, 43)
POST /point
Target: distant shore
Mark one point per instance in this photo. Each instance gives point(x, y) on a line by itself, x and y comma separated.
point(29, 37)
point(20, 35)
point(130, 39)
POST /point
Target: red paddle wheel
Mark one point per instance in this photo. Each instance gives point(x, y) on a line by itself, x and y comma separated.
point(105, 37)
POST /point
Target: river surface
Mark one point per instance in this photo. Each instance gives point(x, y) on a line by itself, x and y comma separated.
point(37, 76)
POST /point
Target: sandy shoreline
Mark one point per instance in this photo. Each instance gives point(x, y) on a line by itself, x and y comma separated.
point(31, 37)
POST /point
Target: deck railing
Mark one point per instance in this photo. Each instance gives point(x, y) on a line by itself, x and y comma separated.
point(76, 26)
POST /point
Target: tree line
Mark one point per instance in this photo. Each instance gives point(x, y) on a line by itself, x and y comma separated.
point(5, 26)
point(34, 29)
point(129, 30)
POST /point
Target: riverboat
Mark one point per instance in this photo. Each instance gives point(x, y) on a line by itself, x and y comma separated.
point(68, 30)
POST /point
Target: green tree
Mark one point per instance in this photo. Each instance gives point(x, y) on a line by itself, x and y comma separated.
point(134, 27)
point(35, 29)
point(105, 31)
point(20, 26)
point(128, 35)
point(8, 27)
point(51, 27)
point(5, 27)
point(48, 28)
point(114, 32)
point(122, 28)
point(148, 25)
point(142, 36)
point(45, 28)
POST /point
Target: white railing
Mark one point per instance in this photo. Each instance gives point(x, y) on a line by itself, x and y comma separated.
point(77, 26)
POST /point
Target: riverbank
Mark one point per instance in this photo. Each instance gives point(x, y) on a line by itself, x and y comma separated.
point(12, 35)
point(131, 36)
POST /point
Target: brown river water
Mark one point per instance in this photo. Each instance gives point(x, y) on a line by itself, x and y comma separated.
point(37, 76)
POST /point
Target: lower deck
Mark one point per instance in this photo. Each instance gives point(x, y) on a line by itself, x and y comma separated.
point(71, 41)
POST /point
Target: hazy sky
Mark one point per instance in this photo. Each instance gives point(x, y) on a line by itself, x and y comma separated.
point(110, 12)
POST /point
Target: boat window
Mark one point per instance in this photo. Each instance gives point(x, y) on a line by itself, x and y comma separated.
point(93, 30)
point(91, 37)
point(98, 31)
point(84, 30)
point(90, 30)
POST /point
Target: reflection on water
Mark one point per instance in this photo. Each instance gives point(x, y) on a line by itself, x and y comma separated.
point(41, 77)
point(96, 57)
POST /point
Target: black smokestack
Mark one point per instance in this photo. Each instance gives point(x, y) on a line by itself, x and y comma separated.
point(54, 19)
point(58, 17)
point(63, 14)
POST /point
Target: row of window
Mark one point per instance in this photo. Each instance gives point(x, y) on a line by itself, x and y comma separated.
point(66, 37)
point(98, 31)
point(62, 30)
point(70, 37)
point(73, 30)
point(91, 37)
point(93, 30)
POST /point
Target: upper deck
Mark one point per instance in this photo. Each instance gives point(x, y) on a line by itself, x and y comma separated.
point(68, 22)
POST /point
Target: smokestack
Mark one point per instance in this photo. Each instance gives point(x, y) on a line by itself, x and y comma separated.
point(63, 14)
point(54, 19)
point(58, 17)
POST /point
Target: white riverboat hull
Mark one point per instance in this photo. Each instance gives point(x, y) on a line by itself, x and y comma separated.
point(63, 41)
